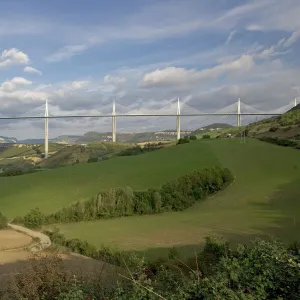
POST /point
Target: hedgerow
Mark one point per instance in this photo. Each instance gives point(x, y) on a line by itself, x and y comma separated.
point(175, 195)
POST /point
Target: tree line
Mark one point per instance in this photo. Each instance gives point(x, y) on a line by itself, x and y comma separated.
point(175, 195)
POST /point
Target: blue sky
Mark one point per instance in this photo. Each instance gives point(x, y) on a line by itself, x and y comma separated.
point(81, 55)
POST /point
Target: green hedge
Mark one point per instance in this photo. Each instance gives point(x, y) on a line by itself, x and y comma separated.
point(176, 195)
point(280, 142)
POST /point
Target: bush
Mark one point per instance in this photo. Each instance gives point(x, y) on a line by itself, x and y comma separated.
point(183, 141)
point(92, 159)
point(3, 221)
point(34, 219)
point(193, 137)
point(280, 142)
point(273, 128)
point(206, 136)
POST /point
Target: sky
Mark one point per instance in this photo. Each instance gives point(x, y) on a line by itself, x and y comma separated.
point(83, 55)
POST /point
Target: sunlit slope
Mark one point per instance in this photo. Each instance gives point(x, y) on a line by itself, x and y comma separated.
point(50, 190)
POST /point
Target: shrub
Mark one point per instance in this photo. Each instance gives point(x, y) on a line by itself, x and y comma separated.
point(3, 221)
point(193, 137)
point(183, 141)
point(34, 219)
point(92, 159)
point(273, 128)
point(206, 136)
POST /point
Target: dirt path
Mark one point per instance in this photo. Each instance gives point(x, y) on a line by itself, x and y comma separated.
point(45, 241)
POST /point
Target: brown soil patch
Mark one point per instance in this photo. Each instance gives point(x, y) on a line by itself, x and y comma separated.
point(10, 239)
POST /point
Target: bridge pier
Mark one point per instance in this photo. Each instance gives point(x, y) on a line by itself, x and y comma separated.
point(114, 123)
point(239, 113)
point(178, 121)
point(46, 130)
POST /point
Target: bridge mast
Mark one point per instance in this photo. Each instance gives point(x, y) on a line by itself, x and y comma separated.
point(46, 129)
point(178, 120)
point(114, 123)
point(239, 113)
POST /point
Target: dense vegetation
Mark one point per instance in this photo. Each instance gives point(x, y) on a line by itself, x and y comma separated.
point(176, 195)
point(3, 221)
point(264, 270)
point(280, 142)
point(139, 150)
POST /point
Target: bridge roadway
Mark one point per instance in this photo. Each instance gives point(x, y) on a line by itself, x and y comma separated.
point(140, 115)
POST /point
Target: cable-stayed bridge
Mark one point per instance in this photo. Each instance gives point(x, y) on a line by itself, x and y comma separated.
point(237, 108)
point(174, 109)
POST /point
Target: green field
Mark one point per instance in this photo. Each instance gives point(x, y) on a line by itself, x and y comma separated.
point(50, 190)
point(263, 200)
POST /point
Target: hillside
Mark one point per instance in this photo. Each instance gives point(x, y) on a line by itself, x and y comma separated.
point(211, 127)
point(75, 154)
point(285, 126)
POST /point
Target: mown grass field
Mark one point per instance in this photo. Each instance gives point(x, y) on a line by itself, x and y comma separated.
point(264, 199)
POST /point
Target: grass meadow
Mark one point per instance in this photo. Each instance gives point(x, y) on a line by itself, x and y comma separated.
point(263, 201)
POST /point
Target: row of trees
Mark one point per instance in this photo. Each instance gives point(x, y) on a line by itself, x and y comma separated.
point(261, 270)
point(172, 196)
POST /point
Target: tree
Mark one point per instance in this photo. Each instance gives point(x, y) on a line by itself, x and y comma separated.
point(206, 136)
point(3, 221)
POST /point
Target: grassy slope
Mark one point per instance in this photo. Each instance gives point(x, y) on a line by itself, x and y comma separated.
point(52, 189)
point(263, 200)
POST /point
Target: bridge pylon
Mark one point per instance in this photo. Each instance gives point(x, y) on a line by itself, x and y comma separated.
point(295, 103)
point(239, 113)
point(178, 120)
point(46, 130)
point(114, 123)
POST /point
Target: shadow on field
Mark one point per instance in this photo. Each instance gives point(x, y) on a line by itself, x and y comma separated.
point(78, 265)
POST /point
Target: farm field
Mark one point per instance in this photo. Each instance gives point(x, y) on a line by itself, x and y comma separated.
point(263, 201)
point(53, 189)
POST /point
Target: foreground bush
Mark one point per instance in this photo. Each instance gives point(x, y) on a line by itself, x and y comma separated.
point(261, 270)
point(3, 221)
point(206, 136)
point(172, 196)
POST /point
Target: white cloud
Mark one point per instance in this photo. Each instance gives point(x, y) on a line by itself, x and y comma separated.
point(29, 69)
point(175, 76)
point(292, 39)
point(79, 84)
point(13, 56)
point(66, 52)
point(13, 84)
point(114, 80)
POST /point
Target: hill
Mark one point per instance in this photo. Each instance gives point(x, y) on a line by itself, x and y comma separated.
point(263, 201)
point(286, 126)
point(212, 127)
point(75, 154)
